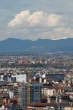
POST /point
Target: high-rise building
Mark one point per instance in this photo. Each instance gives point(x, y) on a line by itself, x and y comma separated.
point(35, 93)
point(23, 96)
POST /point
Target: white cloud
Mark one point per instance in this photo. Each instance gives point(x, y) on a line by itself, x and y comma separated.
point(19, 19)
point(38, 18)
point(58, 33)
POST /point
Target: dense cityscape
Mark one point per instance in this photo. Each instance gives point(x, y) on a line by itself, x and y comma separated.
point(36, 54)
point(36, 82)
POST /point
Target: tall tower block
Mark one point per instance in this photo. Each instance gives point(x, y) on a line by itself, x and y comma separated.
point(28, 88)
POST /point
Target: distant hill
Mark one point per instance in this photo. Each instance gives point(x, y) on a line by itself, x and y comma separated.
point(40, 45)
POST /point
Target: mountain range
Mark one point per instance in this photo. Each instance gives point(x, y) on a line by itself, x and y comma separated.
point(40, 45)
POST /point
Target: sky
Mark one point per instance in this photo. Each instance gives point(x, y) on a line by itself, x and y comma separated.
point(36, 19)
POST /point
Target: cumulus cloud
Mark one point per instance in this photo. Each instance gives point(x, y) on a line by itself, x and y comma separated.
point(37, 18)
point(57, 33)
point(63, 33)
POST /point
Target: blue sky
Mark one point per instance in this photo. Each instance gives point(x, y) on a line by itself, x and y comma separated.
point(34, 19)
